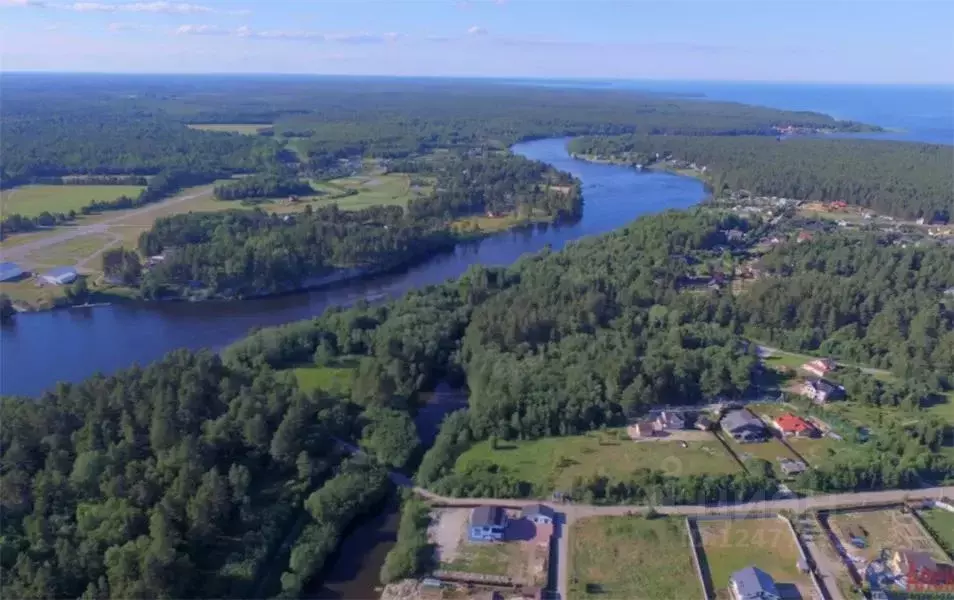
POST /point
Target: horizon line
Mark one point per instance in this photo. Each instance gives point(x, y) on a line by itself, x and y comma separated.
point(945, 84)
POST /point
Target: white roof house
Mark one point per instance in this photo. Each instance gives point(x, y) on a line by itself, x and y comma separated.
point(59, 276)
point(9, 270)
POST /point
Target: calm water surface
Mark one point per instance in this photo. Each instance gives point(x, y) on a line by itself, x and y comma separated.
point(40, 349)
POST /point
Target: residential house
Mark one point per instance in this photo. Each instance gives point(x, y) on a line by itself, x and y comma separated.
point(670, 421)
point(704, 424)
point(744, 426)
point(792, 467)
point(822, 391)
point(59, 276)
point(642, 429)
point(752, 583)
point(921, 569)
point(820, 367)
point(487, 524)
point(794, 426)
point(540, 514)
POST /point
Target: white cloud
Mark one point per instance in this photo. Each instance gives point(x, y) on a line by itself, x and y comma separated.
point(34, 3)
point(176, 8)
point(280, 34)
point(475, 30)
point(201, 30)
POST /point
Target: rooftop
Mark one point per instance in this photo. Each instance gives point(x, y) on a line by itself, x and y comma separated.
point(792, 423)
point(60, 271)
point(754, 583)
point(487, 516)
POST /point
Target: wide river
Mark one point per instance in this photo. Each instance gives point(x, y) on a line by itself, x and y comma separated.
point(40, 349)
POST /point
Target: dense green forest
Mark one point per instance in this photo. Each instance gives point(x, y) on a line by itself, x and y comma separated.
point(898, 178)
point(499, 183)
point(177, 480)
point(266, 185)
point(860, 298)
point(63, 124)
point(241, 253)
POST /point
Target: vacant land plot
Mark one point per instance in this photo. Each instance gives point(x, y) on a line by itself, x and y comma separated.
point(818, 451)
point(31, 200)
point(334, 379)
point(941, 524)
point(393, 189)
point(631, 557)
point(771, 450)
point(243, 128)
point(553, 463)
point(888, 529)
point(68, 253)
point(731, 545)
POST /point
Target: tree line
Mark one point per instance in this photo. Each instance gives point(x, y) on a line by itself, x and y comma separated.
point(898, 178)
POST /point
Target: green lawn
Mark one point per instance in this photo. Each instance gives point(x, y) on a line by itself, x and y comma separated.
point(731, 545)
point(333, 379)
point(553, 463)
point(31, 200)
point(771, 451)
point(631, 557)
point(392, 189)
point(941, 524)
point(243, 128)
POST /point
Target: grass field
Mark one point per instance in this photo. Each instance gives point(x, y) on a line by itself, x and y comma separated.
point(941, 524)
point(69, 252)
point(31, 200)
point(486, 558)
point(768, 544)
point(884, 529)
point(631, 557)
point(334, 379)
point(243, 128)
point(553, 463)
point(392, 189)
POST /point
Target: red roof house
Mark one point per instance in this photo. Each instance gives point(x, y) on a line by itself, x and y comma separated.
point(793, 425)
point(820, 367)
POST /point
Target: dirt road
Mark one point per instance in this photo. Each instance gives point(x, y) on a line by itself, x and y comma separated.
point(20, 252)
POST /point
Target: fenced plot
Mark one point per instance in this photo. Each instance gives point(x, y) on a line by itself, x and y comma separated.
point(730, 545)
point(631, 557)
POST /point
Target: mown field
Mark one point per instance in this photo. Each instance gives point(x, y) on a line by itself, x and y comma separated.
point(553, 463)
point(242, 128)
point(631, 557)
point(31, 200)
point(731, 545)
point(941, 524)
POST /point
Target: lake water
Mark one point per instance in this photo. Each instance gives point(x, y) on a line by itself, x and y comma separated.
point(40, 349)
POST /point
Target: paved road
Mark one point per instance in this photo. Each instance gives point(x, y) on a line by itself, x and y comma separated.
point(20, 252)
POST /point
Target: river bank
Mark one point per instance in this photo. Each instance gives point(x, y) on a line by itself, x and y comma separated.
point(105, 339)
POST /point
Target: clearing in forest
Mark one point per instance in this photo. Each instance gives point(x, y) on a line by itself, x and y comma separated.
point(242, 128)
point(631, 557)
point(31, 200)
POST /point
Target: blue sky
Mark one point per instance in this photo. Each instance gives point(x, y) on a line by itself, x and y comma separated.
point(852, 41)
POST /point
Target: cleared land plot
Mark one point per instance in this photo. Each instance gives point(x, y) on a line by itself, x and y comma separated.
point(393, 189)
point(888, 529)
point(31, 200)
point(631, 557)
point(553, 463)
point(68, 253)
point(818, 451)
point(771, 450)
point(524, 558)
point(243, 128)
point(334, 379)
point(731, 545)
point(941, 524)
